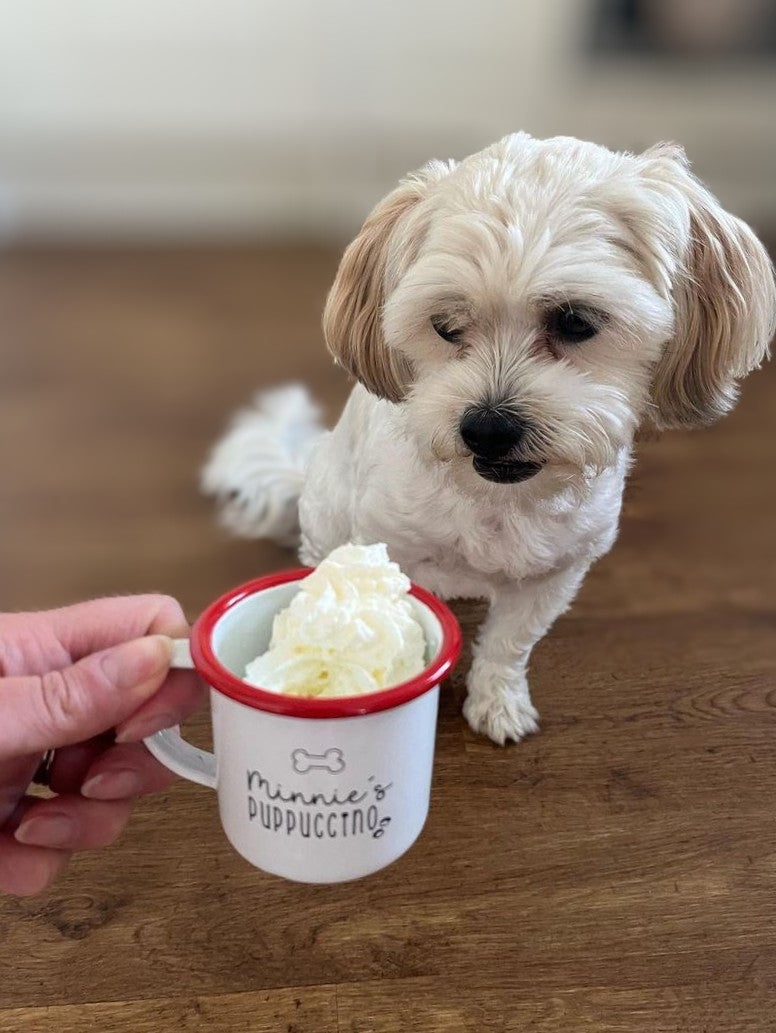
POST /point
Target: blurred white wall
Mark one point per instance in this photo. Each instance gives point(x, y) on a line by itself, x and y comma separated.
point(222, 118)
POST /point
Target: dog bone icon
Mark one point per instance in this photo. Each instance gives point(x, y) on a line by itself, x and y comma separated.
point(331, 760)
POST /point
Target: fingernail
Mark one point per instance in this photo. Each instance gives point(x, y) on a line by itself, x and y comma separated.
point(134, 731)
point(133, 665)
point(52, 830)
point(113, 785)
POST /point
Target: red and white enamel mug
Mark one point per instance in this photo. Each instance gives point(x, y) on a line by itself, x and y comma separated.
point(314, 790)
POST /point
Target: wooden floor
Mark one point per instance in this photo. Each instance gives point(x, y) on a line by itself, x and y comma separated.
point(615, 873)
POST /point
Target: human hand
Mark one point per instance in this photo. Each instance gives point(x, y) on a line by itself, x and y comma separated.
point(89, 681)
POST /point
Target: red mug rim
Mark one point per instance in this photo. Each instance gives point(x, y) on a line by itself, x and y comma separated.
point(223, 681)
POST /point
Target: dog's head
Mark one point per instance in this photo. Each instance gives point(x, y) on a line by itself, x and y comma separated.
point(536, 302)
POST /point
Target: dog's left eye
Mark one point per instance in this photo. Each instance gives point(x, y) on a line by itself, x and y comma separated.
point(571, 325)
point(447, 333)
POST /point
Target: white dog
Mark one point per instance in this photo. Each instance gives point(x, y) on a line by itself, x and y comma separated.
point(512, 320)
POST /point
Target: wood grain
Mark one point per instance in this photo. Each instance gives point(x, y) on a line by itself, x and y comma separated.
point(615, 873)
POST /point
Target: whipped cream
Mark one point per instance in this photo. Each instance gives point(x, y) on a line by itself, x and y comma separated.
point(350, 630)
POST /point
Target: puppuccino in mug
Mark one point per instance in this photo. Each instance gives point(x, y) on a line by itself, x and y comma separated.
point(324, 693)
point(350, 630)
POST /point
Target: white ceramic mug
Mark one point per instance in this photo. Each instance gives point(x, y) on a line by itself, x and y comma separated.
point(314, 790)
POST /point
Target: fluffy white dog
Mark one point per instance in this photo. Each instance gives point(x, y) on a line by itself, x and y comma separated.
point(512, 320)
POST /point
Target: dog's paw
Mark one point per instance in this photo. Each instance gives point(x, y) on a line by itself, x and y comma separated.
point(498, 704)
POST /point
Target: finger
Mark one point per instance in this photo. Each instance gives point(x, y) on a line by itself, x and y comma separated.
point(65, 707)
point(101, 623)
point(34, 643)
point(15, 818)
point(27, 870)
point(73, 823)
point(68, 771)
point(71, 763)
point(125, 771)
point(181, 694)
point(15, 775)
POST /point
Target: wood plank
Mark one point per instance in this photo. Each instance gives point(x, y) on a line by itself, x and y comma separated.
point(504, 1007)
point(309, 1010)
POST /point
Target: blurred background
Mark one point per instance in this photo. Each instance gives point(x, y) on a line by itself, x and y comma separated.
point(176, 183)
point(170, 120)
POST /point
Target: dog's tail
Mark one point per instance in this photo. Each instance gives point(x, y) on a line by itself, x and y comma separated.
point(256, 471)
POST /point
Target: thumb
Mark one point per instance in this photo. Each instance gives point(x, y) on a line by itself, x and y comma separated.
point(43, 712)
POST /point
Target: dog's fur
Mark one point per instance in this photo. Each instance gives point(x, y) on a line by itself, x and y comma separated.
point(682, 297)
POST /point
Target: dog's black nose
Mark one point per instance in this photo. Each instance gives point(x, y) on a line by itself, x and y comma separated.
point(491, 433)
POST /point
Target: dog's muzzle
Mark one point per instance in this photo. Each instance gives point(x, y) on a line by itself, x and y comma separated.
point(493, 437)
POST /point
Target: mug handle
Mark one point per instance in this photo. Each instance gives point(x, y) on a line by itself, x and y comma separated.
point(170, 748)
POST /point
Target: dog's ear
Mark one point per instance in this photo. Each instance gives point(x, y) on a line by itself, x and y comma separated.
point(724, 297)
point(352, 318)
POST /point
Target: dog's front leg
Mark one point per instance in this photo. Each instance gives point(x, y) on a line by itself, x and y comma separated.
point(498, 703)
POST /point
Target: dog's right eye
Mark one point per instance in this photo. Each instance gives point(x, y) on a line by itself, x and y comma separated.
point(448, 333)
point(571, 325)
